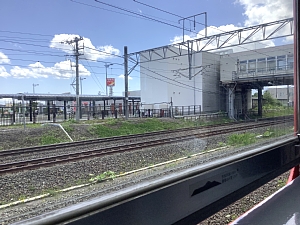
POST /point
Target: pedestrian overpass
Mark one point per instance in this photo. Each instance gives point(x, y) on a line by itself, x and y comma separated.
point(241, 72)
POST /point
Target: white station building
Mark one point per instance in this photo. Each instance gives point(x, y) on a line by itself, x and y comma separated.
point(220, 81)
point(167, 80)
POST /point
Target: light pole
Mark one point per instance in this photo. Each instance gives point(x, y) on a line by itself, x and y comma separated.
point(81, 79)
point(106, 66)
point(23, 109)
point(34, 85)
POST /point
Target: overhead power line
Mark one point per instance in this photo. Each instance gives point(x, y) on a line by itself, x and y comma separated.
point(96, 80)
point(140, 15)
point(182, 18)
point(27, 33)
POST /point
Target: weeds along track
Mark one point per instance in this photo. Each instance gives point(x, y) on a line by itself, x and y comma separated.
point(36, 157)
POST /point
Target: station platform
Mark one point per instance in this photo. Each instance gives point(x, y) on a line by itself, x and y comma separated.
point(283, 207)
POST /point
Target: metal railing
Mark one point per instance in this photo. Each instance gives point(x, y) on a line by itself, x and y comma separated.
point(41, 114)
point(260, 72)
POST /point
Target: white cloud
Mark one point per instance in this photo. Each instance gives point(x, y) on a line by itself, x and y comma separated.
point(61, 70)
point(89, 51)
point(264, 11)
point(123, 77)
point(257, 12)
point(178, 39)
point(289, 40)
point(3, 72)
point(4, 58)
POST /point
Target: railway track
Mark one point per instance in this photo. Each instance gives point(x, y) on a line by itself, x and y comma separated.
point(84, 154)
point(101, 140)
point(128, 137)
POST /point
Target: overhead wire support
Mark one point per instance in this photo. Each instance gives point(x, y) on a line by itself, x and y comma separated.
point(202, 68)
point(217, 41)
point(193, 16)
point(76, 54)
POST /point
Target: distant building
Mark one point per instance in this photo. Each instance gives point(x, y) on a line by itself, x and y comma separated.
point(284, 94)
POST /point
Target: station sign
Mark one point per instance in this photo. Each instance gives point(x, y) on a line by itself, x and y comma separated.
point(110, 82)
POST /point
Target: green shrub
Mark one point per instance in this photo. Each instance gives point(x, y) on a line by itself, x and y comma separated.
point(103, 176)
point(241, 139)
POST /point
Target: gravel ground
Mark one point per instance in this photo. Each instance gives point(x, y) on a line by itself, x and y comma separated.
point(30, 183)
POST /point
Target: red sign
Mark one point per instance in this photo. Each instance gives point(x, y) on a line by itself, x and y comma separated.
point(110, 82)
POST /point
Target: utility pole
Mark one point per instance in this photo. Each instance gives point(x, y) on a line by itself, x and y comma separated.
point(126, 81)
point(76, 54)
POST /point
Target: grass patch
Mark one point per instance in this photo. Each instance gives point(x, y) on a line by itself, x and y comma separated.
point(269, 111)
point(68, 128)
point(121, 127)
point(281, 183)
point(103, 176)
point(269, 133)
point(22, 197)
point(51, 192)
point(251, 138)
point(50, 138)
point(241, 139)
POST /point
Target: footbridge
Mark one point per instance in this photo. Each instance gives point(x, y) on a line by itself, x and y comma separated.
point(241, 72)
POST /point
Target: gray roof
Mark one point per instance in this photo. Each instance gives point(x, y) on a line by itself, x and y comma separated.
point(63, 97)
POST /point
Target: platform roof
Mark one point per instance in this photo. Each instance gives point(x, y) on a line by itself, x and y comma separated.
point(63, 97)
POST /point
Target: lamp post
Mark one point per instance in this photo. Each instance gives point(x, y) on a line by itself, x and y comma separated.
point(81, 79)
point(106, 66)
point(23, 109)
point(34, 85)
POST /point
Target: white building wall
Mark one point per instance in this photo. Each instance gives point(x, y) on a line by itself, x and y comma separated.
point(167, 79)
point(210, 79)
point(227, 67)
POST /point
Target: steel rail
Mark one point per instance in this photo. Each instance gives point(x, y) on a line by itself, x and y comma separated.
point(43, 162)
point(119, 138)
point(63, 158)
point(98, 140)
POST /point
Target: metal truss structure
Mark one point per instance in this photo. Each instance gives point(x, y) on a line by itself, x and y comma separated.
point(262, 32)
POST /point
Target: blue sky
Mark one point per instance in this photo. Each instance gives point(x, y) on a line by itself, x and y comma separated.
point(31, 33)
